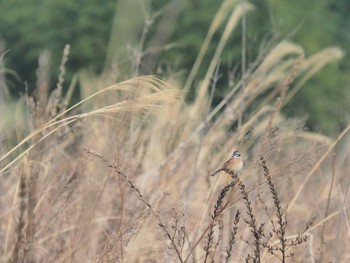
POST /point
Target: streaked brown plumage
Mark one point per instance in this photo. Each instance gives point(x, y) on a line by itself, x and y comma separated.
point(232, 165)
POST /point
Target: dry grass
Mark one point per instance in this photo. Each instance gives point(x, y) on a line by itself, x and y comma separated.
point(123, 175)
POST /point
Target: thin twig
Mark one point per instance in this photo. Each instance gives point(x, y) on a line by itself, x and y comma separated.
point(327, 207)
point(133, 187)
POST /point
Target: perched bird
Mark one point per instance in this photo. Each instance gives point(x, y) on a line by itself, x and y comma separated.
point(232, 165)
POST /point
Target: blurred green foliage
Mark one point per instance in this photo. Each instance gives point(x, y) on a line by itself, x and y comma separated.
point(29, 27)
point(320, 24)
point(97, 30)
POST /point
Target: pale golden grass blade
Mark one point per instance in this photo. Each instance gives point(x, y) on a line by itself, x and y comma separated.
point(225, 7)
point(315, 167)
point(277, 54)
point(318, 224)
point(169, 147)
point(272, 70)
point(316, 137)
point(159, 93)
point(231, 24)
point(312, 65)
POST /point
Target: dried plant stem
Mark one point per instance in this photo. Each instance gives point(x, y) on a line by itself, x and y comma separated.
point(63, 69)
point(231, 24)
point(56, 96)
point(16, 253)
point(315, 167)
point(43, 79)
point(282, 222)
point(139, 53)
point(219, 18)
point(232, 237)
point(218, 209)
point(251, 222)
point(32, 201)
point(243, 66)
point(280, 100)
point(327, 207)
point(342, 198)
point(139, 195)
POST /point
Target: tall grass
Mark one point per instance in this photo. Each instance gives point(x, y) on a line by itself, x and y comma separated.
point(123, 175)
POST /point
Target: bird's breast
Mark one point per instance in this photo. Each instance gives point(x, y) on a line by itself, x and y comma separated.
point(235, 165)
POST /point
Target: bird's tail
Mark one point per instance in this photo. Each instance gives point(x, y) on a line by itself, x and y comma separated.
point(216, 172)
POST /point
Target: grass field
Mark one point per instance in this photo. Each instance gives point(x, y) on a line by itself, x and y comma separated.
point(123, 175)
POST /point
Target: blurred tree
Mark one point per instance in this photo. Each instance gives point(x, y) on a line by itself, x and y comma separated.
point(96, 31)
point(29, 27)
point(314, 24)
point(318, 24)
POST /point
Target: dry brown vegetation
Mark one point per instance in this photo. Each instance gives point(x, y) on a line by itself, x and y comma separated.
point(123, 175)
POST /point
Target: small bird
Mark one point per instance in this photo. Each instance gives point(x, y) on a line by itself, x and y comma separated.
point(232, 165)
